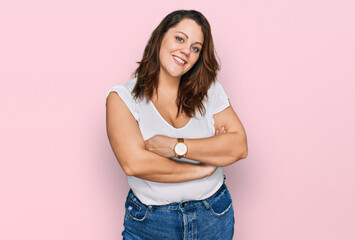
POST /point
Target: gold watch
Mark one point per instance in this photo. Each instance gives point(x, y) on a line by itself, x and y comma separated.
point(180, 148)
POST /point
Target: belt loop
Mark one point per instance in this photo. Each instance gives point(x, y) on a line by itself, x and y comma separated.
point(150, 208)
point(207, 205)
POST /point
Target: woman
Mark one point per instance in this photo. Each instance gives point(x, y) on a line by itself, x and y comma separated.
point(172, 130)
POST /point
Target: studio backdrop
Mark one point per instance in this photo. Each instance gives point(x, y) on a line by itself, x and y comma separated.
point(287, 67)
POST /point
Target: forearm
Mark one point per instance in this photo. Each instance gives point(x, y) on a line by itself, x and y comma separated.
point(219, 150)
point(185, 174)
point(153, 167)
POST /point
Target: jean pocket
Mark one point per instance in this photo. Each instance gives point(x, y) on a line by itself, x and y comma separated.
point(134, 210)
point(221, 204)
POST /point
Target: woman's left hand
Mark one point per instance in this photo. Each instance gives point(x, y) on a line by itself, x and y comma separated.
point(161, 145)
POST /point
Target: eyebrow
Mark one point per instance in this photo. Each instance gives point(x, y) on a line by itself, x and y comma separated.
point(188, 37)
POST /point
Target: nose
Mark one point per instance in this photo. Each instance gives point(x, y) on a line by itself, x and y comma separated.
point(186, 50)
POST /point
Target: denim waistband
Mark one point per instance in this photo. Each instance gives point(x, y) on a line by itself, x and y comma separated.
point(185, 204)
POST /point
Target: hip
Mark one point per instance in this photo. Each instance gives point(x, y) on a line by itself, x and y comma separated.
point(157, 193)
point(188, 219)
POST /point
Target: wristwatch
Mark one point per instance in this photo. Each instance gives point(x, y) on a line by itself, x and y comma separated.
point(180, 148)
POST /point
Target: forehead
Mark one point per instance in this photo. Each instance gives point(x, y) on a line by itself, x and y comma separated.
point(190, 28)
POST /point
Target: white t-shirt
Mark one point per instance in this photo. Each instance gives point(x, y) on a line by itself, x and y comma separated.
point(152, 123)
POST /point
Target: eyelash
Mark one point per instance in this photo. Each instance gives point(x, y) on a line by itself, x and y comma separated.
point(196, 49)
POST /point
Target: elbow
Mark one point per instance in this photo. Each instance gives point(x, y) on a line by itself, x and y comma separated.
point(233, 159)
point(244, 154)
point(236, 156)
point(133, 166)
point(126, 164)
point(128, 171)
point(243, 149)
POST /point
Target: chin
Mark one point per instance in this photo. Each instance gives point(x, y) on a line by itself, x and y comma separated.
point(176, 74)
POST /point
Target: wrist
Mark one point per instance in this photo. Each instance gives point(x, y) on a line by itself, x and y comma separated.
point(180, 148)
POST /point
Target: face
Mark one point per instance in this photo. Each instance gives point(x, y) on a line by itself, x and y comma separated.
point(180, 48)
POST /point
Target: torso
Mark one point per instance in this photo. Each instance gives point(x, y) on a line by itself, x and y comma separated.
point(168, 110)
point(159, 118)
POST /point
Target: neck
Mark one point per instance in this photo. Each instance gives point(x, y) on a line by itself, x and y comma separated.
point(168, 85)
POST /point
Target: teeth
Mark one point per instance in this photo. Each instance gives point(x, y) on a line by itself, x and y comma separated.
point(179, 60)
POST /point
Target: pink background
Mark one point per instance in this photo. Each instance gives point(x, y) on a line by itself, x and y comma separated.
point(287, 66)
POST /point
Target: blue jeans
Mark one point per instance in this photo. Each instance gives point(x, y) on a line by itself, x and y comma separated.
point(211, 218)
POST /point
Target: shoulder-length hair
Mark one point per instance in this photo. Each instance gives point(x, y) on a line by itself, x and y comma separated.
point(195, 83)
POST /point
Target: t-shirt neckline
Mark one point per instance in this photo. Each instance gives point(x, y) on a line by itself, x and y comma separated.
point(166, 122)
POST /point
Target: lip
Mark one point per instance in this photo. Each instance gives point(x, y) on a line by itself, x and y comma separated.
point(179, 62)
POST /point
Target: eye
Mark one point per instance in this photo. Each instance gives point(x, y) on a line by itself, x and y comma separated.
point(179, 39)
point(195, 49)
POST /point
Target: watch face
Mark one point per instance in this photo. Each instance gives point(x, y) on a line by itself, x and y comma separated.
point(180, 148)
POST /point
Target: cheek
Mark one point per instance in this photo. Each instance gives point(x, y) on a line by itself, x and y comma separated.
point(165, 51)
point(194, 61)
point(169, 44)
point(163, 54)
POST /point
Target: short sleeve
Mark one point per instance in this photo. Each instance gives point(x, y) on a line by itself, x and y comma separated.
point(127, 98)
point(219, 100)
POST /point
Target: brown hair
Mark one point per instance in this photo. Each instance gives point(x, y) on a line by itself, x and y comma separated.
point(195, 83)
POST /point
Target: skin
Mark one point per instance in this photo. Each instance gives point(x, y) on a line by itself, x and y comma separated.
point(163, 145)
point(150, 160)
point(185, 41)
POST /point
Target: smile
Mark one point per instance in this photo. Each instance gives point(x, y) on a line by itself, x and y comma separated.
point(180, 61)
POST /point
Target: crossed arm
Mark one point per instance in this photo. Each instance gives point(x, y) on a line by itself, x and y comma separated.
point(150, 159)
point(226, 147)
